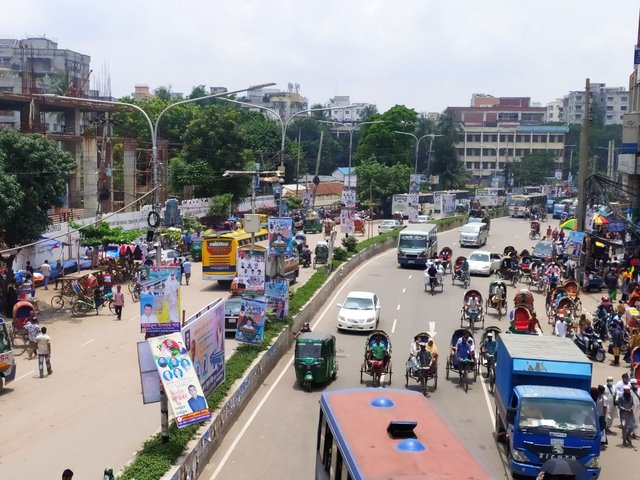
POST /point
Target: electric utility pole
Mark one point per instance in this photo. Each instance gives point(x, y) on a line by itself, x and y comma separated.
point(581, 211)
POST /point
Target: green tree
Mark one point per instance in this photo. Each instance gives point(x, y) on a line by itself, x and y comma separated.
point(380, 141)
point(33, 178)
point(444, 157)
point(163, 93)
point(198, 91)
point(220, 205)
point(102, 234)
point(534, 169)
point(377, 181)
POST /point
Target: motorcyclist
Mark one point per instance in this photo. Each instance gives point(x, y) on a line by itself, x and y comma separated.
point(464, 269)
point(586, 332)
point(306, 255)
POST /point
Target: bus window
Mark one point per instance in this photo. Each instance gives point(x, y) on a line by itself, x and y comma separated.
point(322, 426)
point(334, 471)
point(328, 446)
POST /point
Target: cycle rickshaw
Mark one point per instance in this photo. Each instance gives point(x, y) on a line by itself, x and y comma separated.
point(438, 282)
point(510, 251)
point(534, 231)
point(573, 292)
point(458, 274)
point(359, 225)
point(321, 253)
point(470, 315)
point(488, 359)
point(509, 270)
point(527, 263)
point(445, 258)
point(635, 363)
point(23, 310)
point(520, 321)
point(457, 365)
point(376, 367)
point(423, 367)
point(498, 302)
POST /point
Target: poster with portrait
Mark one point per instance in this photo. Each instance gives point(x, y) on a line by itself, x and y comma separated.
point(251, 264)
point(277, 293)
point(203, 336)
point(280, 236)
point(413, 215)
point(415, 182)
point(588, 220)
point(179, 379)
point(448, 204)
point(349, 198)
point(251, 320)
point(347, 221)
point(160, 302)
point(574, 243)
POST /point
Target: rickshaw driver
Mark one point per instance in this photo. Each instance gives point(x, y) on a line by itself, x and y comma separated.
point(498, 294)
point(463, 351)
point(472, 306)
point(432, 272)
point(553, 273)
point(464, 268)
point(378, 351)
point(489, 345)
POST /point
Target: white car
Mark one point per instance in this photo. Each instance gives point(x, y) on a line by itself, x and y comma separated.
point(167, 255)
point(388, 225)
point(359, 311)
point(424, 218)
point(483, 263)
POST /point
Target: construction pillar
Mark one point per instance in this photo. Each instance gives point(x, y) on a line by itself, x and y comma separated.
point(129, 167)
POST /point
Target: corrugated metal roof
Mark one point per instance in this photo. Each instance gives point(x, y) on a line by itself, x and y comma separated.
point(543, 347)
point(555, 392)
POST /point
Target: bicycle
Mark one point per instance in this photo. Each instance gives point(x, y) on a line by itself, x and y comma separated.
point(84, 305)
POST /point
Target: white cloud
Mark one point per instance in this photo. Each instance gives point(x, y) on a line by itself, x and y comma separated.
point(426, 54)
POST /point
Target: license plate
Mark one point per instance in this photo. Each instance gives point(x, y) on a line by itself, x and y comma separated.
point(411, 261)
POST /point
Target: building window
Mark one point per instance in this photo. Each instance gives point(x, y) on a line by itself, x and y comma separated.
point(609, 99)
point(476, 165)
point(578, 116)
point(609, 108)
point(609, 117)
point(460, 151)
point(501, 165)
point(623, 99)
point(6, 89)
point(485, 165)
point(508, 117)
point(623, 108)
point(578, 98)
point(506, 138)
point(469, 165)
point(492, 165)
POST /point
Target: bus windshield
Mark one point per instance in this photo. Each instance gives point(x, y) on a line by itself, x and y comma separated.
point(518, 202)
point(413, 241)
point(547, 413)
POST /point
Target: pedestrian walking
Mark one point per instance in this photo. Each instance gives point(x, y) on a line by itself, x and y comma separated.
point(612, 412)
point(625, 288)
point(626, 404)
point(186, 268)
point(33, 330)
point(43, 347)
point(118, 301)
point(59, 269)
point(67, 474)
point(46, 271)
point(180, 262)
point(601, 405)
point(617, 339)
point(28, 267)
point(611, 281)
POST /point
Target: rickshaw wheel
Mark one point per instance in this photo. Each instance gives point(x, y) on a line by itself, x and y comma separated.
point(390, 372)
point(361, 371)
point(423, 383)
point(57, 302)
point(334, 375)
point(447, 368)
point(406, 384)
point(76, 309)
point(314, 263)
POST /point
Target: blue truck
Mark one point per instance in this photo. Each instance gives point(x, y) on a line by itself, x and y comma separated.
point(543, 406)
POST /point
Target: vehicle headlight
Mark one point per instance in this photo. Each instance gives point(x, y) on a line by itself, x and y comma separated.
point(341, 318)
point(519, 455)
point(372, 319)
point(593, 463)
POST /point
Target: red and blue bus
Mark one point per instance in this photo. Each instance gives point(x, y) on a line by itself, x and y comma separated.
point(373, 434)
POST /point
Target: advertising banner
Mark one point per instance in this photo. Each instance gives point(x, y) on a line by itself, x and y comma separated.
point(160, 301)
point(415, 181)
point(347, 219)
point(149, 378)
point(349, 198)
point(251, 320)
point(179, 379)
point(413, 199)
point(448, 204)
point(203, 336)
point(251, 269)
point(413, 215)
point(280, 236)
point(277, 293)
point(588, 220)
point(574, 244)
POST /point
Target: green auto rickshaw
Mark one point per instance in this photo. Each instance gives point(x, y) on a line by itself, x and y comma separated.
point(312, 223)
point(315, 358)
point(196, 249)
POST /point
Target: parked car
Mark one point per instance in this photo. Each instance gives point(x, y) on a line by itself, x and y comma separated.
point(482, 262)
point(359, 311)
point(167, 255)
point(388, 225)
point(231, 312)
point(545, 250)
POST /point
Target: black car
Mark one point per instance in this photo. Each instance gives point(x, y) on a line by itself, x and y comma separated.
point(545, 250)
point(231, 312)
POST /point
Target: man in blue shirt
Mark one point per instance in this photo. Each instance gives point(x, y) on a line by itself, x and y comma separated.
point(196, 402)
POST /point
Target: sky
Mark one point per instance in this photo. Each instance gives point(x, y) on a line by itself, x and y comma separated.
point(425, 54)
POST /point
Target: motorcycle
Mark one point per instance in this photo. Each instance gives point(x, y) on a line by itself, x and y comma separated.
point(306, 258)
point(600, 327)
point(596, 350)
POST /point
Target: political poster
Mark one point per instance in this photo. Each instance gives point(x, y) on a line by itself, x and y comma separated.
point(349, 198)
point(251, 264)
point(203, 336)
point(413, 215)
point(415, 181)
point(413, 199)
point(347, 221)
point(280, 236)
point(574, 244)
point(277, 293)
point(588, 220)
point(179, 379)
point(448, 204)
point(251, 320)
point(160, 301)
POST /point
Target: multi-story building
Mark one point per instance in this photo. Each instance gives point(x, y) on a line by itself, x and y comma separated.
point(346, 115)
point(36, 65)
point(286, 103)
point(555, 110)
point(613, 100)
point(497, 131)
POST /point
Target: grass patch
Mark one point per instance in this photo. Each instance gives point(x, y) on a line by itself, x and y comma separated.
point(447, 221)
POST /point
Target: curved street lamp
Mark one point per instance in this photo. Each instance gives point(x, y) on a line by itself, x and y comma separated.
point(418, 140)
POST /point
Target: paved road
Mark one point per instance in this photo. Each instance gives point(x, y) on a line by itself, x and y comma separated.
point(281, 420)
point(89, 413)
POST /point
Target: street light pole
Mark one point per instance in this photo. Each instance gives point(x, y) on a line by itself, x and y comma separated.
point(350, 129)
point(418, 140)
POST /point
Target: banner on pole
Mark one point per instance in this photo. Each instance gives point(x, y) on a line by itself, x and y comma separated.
point(280, 236)
point(349, 198)
point(160, 301)
point(251, 318)
point(277, 293)
point(252, 262)
point(347, 221)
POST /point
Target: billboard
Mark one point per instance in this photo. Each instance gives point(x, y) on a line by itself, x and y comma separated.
point(347, 219)
point(160, 301)
point(179, 379)
point(415, 181)
point(280, 236)
point(349, 198)
point(251, 320)
point(448, 204)
point(574, 244)
point(251, 268)
point(203, 336)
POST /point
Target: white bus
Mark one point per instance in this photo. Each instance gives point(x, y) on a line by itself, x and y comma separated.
point(417, 243)
point(519, 205)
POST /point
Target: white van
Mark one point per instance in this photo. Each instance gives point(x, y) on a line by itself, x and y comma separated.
point(474, 234)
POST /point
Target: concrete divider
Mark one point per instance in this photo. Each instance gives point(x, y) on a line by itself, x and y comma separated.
point(211, 434)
